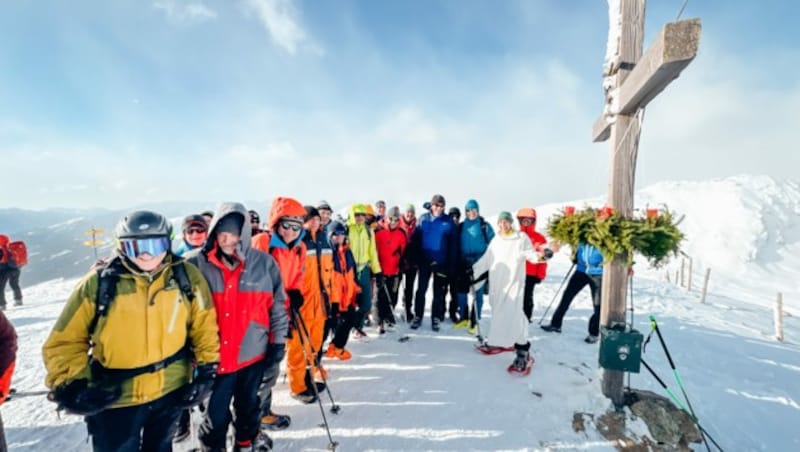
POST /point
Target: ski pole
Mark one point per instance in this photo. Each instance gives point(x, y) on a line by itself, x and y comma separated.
point(654, 325)
point(675, 399)
point(332, 444)
point(475, 314)
point(334, 407)
point(555, 295)
point(14, 394)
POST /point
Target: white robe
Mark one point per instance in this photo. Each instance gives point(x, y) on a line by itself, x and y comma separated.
point(505, 260)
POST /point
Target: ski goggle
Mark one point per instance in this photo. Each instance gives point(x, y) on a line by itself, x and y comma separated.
point(291, 225)
point(153, 246)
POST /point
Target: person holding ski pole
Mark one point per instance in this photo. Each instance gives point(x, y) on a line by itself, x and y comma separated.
point(505, 259)
point(588, 272)
point(343, 294)
point(391, 244)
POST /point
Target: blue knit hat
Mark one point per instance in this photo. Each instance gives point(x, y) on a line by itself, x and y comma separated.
point(472, 205)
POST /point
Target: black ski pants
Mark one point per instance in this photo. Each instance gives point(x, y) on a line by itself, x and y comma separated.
point(440, 282)
point(343, 326)
point(576, 283)
point(242, 386)
point(527, 300)
point(387, 299)
point(408, 291)
point(9, 275)
point(147, 427)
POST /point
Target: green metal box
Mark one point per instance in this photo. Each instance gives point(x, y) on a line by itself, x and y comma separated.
point(621, 349)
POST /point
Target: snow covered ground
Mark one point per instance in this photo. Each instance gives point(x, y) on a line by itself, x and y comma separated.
point(435, 392)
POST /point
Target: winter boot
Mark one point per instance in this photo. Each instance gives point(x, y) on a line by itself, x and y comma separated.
point(523, 362)
point(551, 329)
point(591, 339)
point(416, 323)
point(243, 446)
point(462, 324)
point(308, 397)
point(18, 302)
point(263, 442)
point(435, 324)
point(274, 421)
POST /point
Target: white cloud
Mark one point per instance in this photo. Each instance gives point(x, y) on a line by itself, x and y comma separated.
point(280, 18)
point(181, 12)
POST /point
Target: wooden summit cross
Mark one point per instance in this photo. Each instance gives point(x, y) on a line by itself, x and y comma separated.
point(631, 81)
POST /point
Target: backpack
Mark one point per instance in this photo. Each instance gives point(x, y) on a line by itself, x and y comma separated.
point(19, 253)
point(108, 276)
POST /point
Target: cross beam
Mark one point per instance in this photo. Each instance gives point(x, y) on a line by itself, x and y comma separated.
point(673, 49)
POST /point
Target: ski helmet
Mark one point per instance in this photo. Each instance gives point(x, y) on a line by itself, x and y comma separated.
point(141, 224)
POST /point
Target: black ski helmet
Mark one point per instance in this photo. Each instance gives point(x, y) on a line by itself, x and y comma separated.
point(141, 224)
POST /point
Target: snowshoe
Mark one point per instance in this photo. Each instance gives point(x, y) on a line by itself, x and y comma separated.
point(487, 349)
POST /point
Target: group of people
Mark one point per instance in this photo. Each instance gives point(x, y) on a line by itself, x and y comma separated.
point(150, 333)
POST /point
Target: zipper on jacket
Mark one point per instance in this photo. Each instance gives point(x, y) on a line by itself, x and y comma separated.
point(174, 317)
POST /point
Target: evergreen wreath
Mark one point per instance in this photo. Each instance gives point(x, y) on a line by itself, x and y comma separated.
point(655, 236)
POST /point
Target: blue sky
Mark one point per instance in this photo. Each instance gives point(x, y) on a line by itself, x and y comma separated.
point(113, 104)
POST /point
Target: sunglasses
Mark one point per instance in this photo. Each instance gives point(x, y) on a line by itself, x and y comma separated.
point(338, 233)
point(360, 215)
point(291, 225)
point(439, 205)
point(191, 231)
point(153, 246)
point(394, 220)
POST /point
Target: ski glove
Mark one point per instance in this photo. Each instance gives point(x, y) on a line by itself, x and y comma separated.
point(200, 388)
point(295, 299)
point(77, 397)
point(275, 354)
point(379, 280)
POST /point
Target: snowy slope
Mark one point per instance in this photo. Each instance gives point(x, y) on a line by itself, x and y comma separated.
point(436, 392)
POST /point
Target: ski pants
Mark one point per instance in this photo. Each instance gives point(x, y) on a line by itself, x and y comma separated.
point(576, 283)
point(343, 326)
point(147, 427)
point(474, 311)
point(10, 275)
point(440, 282)
point(408, 291)
point(272, 369)
point(387, 299)
point(241, 387)
point(363, 299)
point(527, 300)
point(296, 364)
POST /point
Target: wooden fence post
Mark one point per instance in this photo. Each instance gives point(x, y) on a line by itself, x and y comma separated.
point(705, 285)
point(689, 280)
point(668, 277)
point(683, 264)
point(779, 317)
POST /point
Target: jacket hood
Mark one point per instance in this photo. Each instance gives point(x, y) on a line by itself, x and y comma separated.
point(4, 240)
point(225, 209)
point(285, 207)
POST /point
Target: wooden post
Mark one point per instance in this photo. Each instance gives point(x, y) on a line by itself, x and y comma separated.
point(677, 277)
point(705, 285)
point(631, 81)
point(689, 277)
point(683, 264)
point(779, 317)
point(668, 277)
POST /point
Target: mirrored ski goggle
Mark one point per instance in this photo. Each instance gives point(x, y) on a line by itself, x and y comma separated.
point(153, 246)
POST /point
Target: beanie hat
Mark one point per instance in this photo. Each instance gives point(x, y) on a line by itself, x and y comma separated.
point(504, 215)
point(194, 220)
point(472, 205)
point(336, 227)
point(323, 205)
point(394, 212)
point(311, 212)
point(230, 223)
point(438, 199)
point(380, 203)
point(254, 216)
point(454, 211)
point(369, 210)
point(410, 208)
